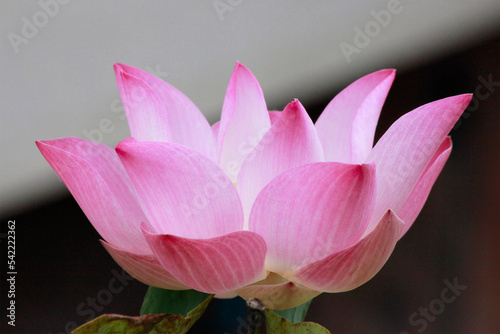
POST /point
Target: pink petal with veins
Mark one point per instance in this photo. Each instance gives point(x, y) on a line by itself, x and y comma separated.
point(404, 151)
point(292, 141)
point(181, 191)
point(97, 180)
point(355, 265)
point(144, 268)
point(216, 265)
point(328, 203)
point(346, 127)
point(244, 120)
point(413, 205)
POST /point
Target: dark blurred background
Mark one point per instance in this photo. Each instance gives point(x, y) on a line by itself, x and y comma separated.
point(62, 266)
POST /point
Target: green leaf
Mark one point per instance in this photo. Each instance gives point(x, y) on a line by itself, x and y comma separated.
point(296, 314)
point(277, 324)
point(170, 301)
point(146, 324)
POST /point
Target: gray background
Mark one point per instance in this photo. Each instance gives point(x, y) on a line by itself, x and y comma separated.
point(61, 82)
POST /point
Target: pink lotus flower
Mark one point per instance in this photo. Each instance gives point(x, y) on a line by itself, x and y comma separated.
point(262, 204)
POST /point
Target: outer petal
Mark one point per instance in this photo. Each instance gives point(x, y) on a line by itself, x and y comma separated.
point(179, 119)
point(354, 266)
point(146, 114)
point(244, 120)
point(97, 180)
point(278, 293)
point(181, 191)
point(215, 265)
point(325, 203)
point(405, 150)
point(346, 127)
point(292, 141)
point(144, 268)
point(413, 205)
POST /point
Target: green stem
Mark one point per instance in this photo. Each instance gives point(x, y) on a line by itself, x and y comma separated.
point(296, 314)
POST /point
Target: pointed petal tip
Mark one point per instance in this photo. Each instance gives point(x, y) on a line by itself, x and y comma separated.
point(384, 74)
point(468, 97)
point(389, 71)
point(239, 65)
point(105, 243)
point(125, 76)
point(121, 146)
point(368, 171)
point(126, 73)
point(42, 145)
point(48, 141)
point(125, 147)
point(390, 214)
point(392, 218)
point(387, 75)
point(118, 67)
point(46, 144)
point(463, 99)
point(364, 168)
point(294, 105)
point(448, 142)
point(456, 104)
point(39, 144)
point(120, 70)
